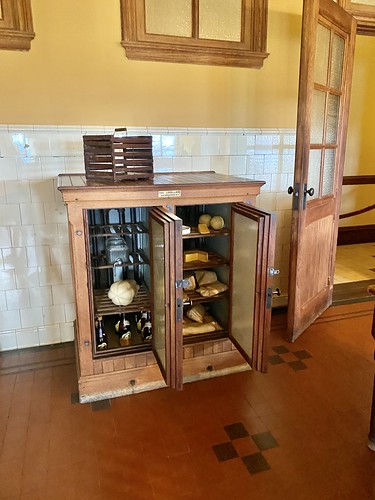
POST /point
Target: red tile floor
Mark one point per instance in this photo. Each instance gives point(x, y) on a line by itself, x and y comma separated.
point(298, 432)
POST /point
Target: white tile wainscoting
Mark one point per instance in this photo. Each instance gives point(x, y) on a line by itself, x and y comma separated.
point(36, 293)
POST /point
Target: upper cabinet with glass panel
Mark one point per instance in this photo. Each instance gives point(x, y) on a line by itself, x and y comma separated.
point(364, 12)
point(16, 26)
point(217, 32)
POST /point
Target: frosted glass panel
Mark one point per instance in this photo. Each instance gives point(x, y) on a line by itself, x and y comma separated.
point(220, 19)
point(333, 110)
point(321, 55)
point(244, 276)
point(169, 17)
point(158, 263)
point(314, 171)
point(317, 117)
point(337, 62)
point(329, 171)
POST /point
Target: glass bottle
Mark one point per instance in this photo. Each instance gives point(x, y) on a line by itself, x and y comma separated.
point(147, 329)
point(101, 336)
point(142, 321)
point(124, 331)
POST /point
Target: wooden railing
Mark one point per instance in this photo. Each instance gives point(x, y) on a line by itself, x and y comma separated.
point(355, 180)
point(357, 234)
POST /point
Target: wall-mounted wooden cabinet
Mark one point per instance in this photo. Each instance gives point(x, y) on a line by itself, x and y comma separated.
point(364, 12)
point(16, 25)
point(216, 32)
point(207, 296)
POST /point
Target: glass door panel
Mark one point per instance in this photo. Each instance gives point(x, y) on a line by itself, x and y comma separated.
point(250, 298)
point(160, 313)
point(322, 51)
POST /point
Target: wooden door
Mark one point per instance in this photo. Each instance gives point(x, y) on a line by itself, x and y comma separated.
point(252, 251)
point(327, 50)
point(166, 297)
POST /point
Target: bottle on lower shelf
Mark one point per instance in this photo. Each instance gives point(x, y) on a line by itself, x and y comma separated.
point(123, 330)
point(146, 332)
point(101, 336)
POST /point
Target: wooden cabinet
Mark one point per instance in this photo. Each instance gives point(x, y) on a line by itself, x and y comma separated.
point(364, 12)
point(16, 25)
point(226, 33)
point(225, 281)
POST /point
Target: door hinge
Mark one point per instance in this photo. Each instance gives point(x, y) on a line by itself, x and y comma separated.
point(182, 283)
point(273, 272)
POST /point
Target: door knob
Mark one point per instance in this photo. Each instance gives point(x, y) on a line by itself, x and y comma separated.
point(310, 191)
point(290, 190)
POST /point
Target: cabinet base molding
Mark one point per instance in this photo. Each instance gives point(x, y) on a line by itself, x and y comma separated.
point(215, 365)
point(120, 383)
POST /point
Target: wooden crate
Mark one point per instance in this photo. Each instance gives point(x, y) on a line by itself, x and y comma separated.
point(116, 157)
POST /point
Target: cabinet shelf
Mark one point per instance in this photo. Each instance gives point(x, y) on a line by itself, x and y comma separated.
point(194, 233)
point(214, 260)
point(204, 337)
point(104, 306)
point(195, 297)
point(135, 259)
point(104, 230)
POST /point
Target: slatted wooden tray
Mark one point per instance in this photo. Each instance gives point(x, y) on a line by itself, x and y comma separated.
point(116, 158)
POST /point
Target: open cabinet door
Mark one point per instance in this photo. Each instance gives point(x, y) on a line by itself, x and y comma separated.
point(327, 51)
point(166, 297)
point(253, 244)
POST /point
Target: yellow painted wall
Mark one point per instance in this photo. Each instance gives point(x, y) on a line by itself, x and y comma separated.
point(77, 73)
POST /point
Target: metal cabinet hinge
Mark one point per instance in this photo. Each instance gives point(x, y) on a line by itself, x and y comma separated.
point(273, 272)
point(182, 283)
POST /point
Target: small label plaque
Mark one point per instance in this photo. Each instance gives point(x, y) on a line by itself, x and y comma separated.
point(173, 193)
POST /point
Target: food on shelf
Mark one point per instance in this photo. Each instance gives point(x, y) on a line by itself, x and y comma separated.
point(205, 219)
point(191, 284)
point(203, 229)
point(191, 327)
point(205, 277)
point(195, 255)
point(217, 222)
point(186, 229)
point(196, 313)
point(212, 289)
point(122, 292)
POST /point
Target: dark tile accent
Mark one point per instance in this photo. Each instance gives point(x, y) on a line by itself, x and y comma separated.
point(104, 404)
point(265, 441)
point(297, 365)
point(236, 431)
point(275, 360)
point(255, 463)
point(74, 398)
point(225, 451)
point(302, 354)
point(280, 349)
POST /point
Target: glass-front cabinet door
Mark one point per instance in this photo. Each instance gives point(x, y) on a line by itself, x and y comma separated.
point(166, 295)
point(253, 242)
